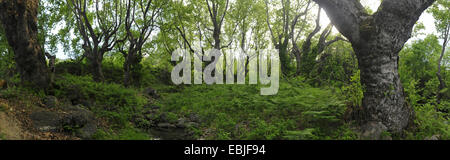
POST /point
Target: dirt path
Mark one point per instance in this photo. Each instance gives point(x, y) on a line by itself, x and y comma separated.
point(14, 124)
point(10, 128)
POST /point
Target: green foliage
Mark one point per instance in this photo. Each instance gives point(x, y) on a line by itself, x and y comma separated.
point(441, 13)
point(7, 64)
point(354, 92)
point(430, 122)
point(112, 101)
point(2, 136)
point(418, 67)
point(299, 135)
point(308, 107)
point(127, 133)
point(239, 112)
point(335, 66)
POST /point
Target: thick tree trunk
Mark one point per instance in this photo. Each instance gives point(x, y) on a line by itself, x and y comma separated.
point(383, 96)
point(19, 19)
point(377, 39)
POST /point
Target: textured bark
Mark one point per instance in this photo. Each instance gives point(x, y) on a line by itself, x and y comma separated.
point(19, 19)
point(377, 39)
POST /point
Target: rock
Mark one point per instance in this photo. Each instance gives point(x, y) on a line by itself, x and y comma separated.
point(151, 92)
point(87, 131)
point(80, 120)
point(373, 131)
point(166, 125)
point(163, 117)
point(181, 123)
point(50, 102)
point(45, 121)
point(433, 138)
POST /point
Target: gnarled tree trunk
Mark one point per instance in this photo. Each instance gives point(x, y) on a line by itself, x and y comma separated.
point(19, 19)
point(377, 39)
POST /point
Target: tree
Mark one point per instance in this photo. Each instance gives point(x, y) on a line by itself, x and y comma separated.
point(377, 39)
point(19, 19)
point(98, 30)
point(441, 13)
point(284, 29)
point(146, 12)
point(217, 12)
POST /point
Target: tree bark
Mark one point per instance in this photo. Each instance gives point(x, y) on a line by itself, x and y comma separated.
point(95, 62)
point(19, 19)
point(377, 39)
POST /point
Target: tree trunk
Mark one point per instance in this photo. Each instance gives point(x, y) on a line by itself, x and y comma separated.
point(96, 67)
point(298, 59)
point(19, 19)
point(383, 96)
point(131, 69)
point(127, 73)
point(377, 39)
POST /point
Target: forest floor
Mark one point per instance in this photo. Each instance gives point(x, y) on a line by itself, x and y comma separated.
point(15, 124)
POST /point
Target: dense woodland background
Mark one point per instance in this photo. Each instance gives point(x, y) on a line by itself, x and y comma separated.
point(116, 83)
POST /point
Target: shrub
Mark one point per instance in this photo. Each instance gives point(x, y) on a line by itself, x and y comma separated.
point(111, 101)
point(240, 112)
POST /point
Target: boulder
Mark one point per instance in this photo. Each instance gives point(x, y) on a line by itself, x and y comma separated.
point(80, 120)
point(45, 121)
point(374, 131)
point(165, 125)
point(181, 123)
